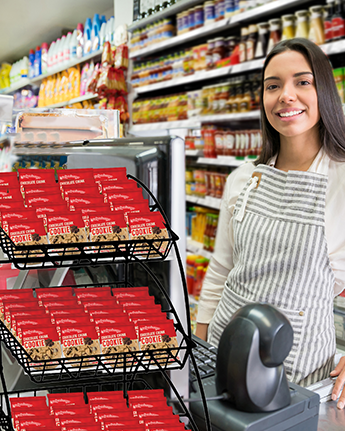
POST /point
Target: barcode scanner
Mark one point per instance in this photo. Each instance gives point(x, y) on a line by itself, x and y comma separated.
point(251, 351)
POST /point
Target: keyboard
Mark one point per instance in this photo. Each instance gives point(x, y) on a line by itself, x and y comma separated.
point(205, 356)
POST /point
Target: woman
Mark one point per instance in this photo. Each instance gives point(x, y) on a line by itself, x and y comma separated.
point(280, 236)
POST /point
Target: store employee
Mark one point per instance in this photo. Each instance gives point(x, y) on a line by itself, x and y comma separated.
point(281, 235)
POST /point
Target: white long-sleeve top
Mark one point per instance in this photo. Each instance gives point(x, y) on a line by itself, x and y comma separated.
point(222, 259)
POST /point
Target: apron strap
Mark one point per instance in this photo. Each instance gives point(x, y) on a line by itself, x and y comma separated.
point(253, 182)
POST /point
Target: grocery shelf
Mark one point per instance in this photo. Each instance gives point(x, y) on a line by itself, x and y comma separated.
point(204, 31)
point(170, 11)
point(88, 96)
point(247, 66)
point(197, 247)
point(220, 118)
point(194, 153)
point(26, 81)
point(195, 122)
point(208, 201)
point(197, 76)
point(333, 47)
point(165, 125)
point(222, 161)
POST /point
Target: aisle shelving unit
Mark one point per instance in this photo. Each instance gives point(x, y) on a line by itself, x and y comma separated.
point(208, 201)
point(124, 367)
point(196, 247)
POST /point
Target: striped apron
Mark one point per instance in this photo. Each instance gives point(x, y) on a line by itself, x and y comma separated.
point(280, 257)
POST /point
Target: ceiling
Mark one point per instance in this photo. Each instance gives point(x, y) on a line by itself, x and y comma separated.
point(24, 24)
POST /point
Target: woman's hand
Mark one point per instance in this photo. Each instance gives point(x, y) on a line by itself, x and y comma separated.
point(340, 372)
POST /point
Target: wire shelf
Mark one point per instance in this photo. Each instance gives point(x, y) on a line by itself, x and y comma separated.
point(85, 254)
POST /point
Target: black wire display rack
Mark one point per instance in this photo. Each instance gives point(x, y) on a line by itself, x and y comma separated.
point(126, 367)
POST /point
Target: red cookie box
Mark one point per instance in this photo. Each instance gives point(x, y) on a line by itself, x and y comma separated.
point(78, 201)
point(90, 209)
point(148, 319)
point(92, 293)
point(128, 196)
point(106, 416)
point(155, 404)
point(35, 341)
point(109, 321)
point(32, 322)
point(12, 194)
point(80, 190)
point(9, 205)
point(13, 296)
point(106, 312)
point(67, 423)
point(108, 226)
point(114, 405)
point(44, 210)
point(65, 312)
point(74, 176)
point(69, 411)
point(52, 304)
point(28, 403)
point(83, 428)
point(27, 233)
point(130, 207)
point(110, 174)
point(163, 422)
point(41, 200)
point(149, 414)
point(78, 341)
point(14, 216)
point(67, 321)
point(96, 304)
point(40, 190)
point(66, 228)
point(145, 395)
point(25, 313)
point(177, 427)
point(36, 177)
point(160, 335)
point(116, 186)
point(35, 424)
point(63, 400)
point(102, 396)
point(127, 424)
point(10, 305)
point(135, 312)
point(28, 415)
point(130, 292)
point(118, 338)
point(9, 179)
point(48, 294)
point(139, 302)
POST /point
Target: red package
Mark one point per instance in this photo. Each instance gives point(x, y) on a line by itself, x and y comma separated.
point(119, 185)
point(66, 228)
point(177, 427)
point(28, 403)
point(110, 174)
point(92, 293)
point(136, 312)
point(130, 207)
point(74, 421)
point(127, 424)
point(119, 196)
point(63, 400)
point(14, 216)
point(65, 312)
point(83, 428)
point(9, 205)
point(40, 200)
point(69, 411)
point(120, 319)
point(169, 421)
point(80, 190)
point(32, 322)
point(146, 394)
point(51, 293)
point(79, 341)
point(13, 296)
point(42, 211)
point(67, 321)
point(130, 292)
point(145, 415)
point(36, 177)
point(133, 428)
point(36, 423)
point(10, 194)
point(28, 415)
point(9, 306)
point(25, 313)
point(100, 397)
point(139, 302)
point(53, 303)
point(160, 335)
point(9, 179)
point(94, 304)
point(78, 201)
point(108, 227)
point(148, 405)
point(118, 338)
point(41, 189)
point(41, 344)
point(105, 312)
point(28, 233)
point(106, 415)
point(74, 176)
point(121, 57)
point(148, 319)
point(113, 405)
point(122, 106)
point(92, 83)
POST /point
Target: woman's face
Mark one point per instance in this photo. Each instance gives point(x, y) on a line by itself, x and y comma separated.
point(289, 96)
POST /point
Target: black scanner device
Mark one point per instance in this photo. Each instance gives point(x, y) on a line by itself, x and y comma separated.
point(251, 376)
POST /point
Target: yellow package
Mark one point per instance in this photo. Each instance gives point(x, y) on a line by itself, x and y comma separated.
point(42, 94)
point(74, 81)
point(63, 87)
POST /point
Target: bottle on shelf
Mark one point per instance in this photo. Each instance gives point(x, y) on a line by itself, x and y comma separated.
point(60, 56)
point(316, 30)
point(73, 45)
point(327, 22)
point(251, 42)
point(51, 53)
point(44, 58)
point(338, 20)
point(275, 33)
point(80, 40)
point(263, 38)
point(31, 63)
point(243, 44)
point(38, 65)
point(66, 49)
point(288, 24)
point(302, 26)
point(87, 37)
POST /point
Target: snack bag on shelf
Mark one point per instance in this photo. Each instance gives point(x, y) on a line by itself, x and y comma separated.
point(38, 200)
point(98, 303)
point(107, 57)
point(52, 304)
point(78, 341)
point(117, 196)
point(130, 292)
point(85, 189)
point(42, 343)
point(103, 103)
point(70, 412)
point(24, 313)
point(7, 195)
point(108, 227)
point(39, 321)
point(37, 423)
point(24, 414)
point(91, 86)
point(121, 105)
point(128, 207)
point(9, 306)
point(92, 293)
point(118, 338)
point(49, 293)
point(68, 177)
point(66, 228)
point(84, 78)
point(110, 174)
point(13, 296)
point(28, 233)
point(121, 57)
point(30, 177)
point(43, 210)
point(110, 186)
point(86, 211)
point(145, 415)
point(77, 422)
point(101, 321)
point(78, 201)
point(65, 400)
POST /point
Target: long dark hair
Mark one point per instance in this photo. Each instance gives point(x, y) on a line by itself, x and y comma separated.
point(331, 124)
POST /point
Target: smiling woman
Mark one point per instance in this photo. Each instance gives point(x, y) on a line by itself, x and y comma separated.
point(280, 237)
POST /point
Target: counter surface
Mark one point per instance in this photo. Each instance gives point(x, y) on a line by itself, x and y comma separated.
point(331, 418)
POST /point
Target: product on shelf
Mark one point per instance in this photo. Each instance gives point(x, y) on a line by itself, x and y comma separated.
point(152, 33)
point(202, 183)
point(339, 77)
point(196, 271)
